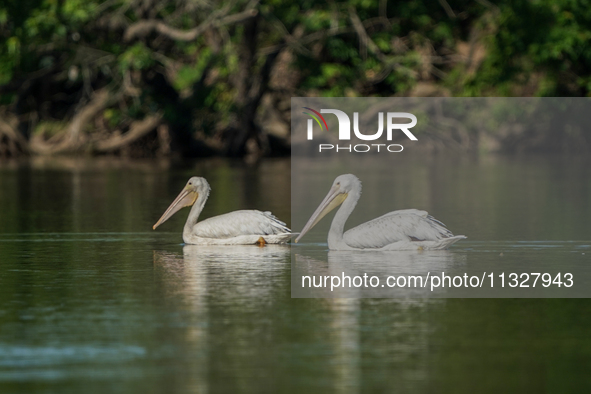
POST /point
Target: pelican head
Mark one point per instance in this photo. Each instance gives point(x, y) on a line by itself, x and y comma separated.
point(342, 185)
point(195, 186)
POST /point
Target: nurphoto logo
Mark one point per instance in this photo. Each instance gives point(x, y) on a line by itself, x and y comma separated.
point(345, 130)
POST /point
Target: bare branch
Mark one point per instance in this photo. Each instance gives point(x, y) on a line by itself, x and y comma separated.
point(447, 9)
point(137, 130)
point(145, 27)
point(295, 42)
point(389, 62)
point(85, 115)
point(8, 129)
point(73, 133)
point(364, 37)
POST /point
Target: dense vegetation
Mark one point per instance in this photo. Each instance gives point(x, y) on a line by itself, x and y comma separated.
point(193, 77)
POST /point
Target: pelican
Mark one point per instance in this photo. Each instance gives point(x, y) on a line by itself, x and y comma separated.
point(407, 229)
point(234, 228)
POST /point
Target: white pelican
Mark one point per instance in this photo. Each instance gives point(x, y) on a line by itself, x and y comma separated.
point(407, 229)
point(234, 228)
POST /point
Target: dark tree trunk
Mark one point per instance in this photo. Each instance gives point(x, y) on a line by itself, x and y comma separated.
point(251, 83)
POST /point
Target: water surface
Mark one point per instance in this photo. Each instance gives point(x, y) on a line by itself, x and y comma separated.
point(92, 300)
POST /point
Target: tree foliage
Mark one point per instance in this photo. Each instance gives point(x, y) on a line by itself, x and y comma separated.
point(195, 77)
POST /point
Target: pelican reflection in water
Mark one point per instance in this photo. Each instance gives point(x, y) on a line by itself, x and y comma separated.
point(234, 228)
point(407, 229)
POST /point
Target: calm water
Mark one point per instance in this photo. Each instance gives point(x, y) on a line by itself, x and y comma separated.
point(92, 300)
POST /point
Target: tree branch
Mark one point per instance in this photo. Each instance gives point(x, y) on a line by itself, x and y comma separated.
point(298, 42)
point(364, 37)
point(9, 131)
point(73, 133)
point(137, 130)
point(448, 9)
point(145, 27)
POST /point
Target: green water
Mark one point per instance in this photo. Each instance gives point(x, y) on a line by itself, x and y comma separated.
point(92, 300)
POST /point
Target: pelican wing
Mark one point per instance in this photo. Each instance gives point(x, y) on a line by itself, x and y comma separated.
point(233, 224)
point(402, 225)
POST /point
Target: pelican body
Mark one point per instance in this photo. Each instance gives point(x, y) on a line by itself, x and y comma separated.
point(233, 228)
point(407, 229)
